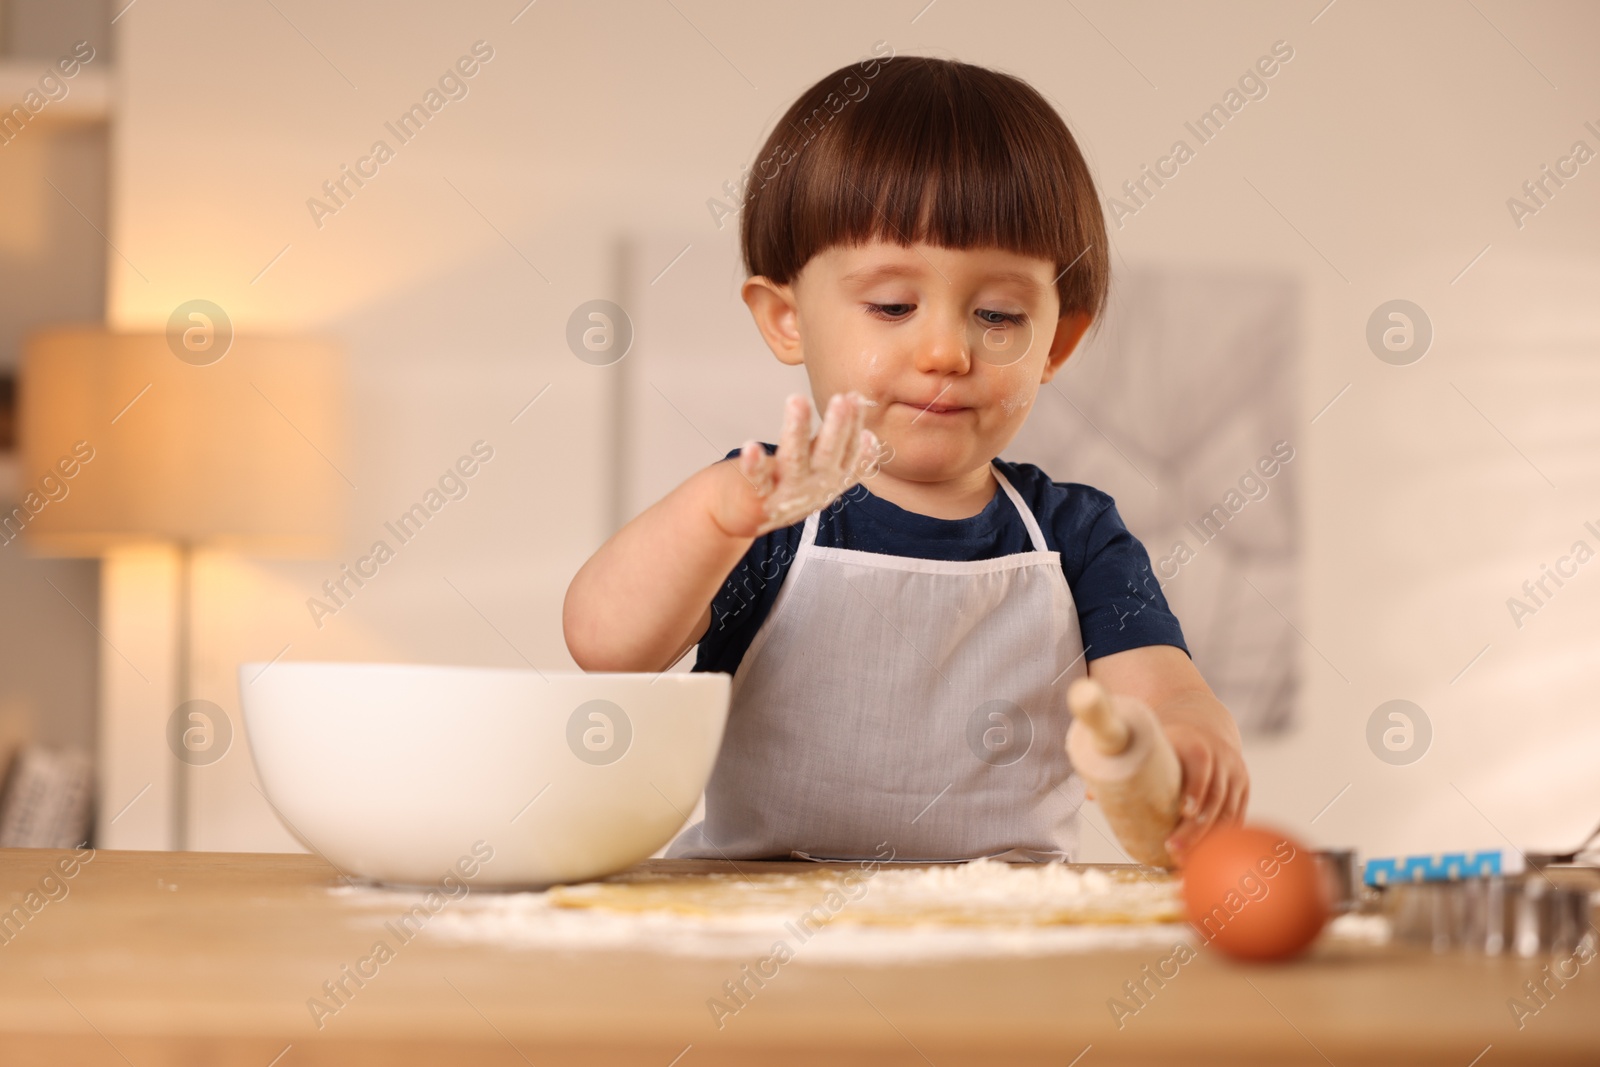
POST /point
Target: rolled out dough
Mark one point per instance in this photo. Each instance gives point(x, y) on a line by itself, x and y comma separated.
point(982, 892)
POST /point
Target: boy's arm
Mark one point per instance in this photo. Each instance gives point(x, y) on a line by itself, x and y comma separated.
point(1216, 784)
point(644, 598)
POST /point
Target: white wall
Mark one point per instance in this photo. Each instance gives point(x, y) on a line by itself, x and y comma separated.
point(1377, 167)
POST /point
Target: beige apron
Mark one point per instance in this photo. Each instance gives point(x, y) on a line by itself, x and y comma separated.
point(895, 703)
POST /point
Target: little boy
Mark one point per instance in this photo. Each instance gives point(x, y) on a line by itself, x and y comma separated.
point(902, 611)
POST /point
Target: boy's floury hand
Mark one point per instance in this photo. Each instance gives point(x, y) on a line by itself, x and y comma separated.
point(768, 492)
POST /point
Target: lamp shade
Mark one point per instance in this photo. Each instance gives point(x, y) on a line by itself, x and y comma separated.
point(124, 441)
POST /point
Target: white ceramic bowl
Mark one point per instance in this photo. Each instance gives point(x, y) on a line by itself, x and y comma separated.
point(404, 773)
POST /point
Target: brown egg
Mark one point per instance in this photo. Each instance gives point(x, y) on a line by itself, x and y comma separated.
point(1254, 893)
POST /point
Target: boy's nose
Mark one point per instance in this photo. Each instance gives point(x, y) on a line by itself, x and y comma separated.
point(945, 350)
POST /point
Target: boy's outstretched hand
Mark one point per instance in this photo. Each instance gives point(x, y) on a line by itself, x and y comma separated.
point(779, 490)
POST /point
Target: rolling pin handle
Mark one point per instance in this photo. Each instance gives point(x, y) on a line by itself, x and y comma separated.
point(1089, 702)
point(1119, 749)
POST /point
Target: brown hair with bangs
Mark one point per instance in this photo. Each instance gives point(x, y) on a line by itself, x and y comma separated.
point(928, 150)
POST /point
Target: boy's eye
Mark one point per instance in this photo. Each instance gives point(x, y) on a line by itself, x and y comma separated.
point(1001, 318)
point(891, 311)
point(986, 316)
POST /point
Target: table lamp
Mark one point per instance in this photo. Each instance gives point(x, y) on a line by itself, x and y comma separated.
point(130, 439)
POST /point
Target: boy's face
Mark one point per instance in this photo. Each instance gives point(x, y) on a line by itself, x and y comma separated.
point(951, 345)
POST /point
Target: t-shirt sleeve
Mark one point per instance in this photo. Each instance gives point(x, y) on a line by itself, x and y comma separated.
point(1120, 602)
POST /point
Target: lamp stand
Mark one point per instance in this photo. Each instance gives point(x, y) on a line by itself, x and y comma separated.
point(180, 766)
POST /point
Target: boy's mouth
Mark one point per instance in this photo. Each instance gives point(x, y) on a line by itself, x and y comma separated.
point(928, 408)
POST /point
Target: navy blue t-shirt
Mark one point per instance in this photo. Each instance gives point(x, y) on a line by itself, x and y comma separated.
point(1120, 604)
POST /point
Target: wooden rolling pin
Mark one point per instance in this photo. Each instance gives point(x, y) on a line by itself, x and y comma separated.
point(1118, 747)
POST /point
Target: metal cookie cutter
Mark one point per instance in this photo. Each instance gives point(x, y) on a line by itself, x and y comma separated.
point(1341, 871)
point(1524, 915)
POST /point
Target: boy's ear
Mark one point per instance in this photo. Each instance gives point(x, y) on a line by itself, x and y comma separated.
point(1069, 331)
point(777, 317)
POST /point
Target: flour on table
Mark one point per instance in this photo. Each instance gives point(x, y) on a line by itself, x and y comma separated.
point(888, 915)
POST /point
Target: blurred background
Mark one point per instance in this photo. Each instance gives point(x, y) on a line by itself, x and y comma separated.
point(1383, 257)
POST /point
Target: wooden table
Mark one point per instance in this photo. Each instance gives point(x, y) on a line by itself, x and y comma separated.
point(149, 958)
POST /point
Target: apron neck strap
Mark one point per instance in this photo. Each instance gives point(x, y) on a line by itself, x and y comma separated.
point(808, 536)
point(1035, 534)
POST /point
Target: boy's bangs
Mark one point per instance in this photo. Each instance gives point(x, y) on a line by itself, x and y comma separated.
point(938, 152)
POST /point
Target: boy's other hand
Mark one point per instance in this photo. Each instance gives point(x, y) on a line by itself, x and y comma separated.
point(767, 492)
point(1216, 785)
point(1216, 782)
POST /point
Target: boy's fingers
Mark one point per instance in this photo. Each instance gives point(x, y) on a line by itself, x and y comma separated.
point(749, 463)
point(850, 433)
point(1211, 806)
point(794, 445)
point(1223, 804)
point(827, 452)
point(756, 466)
point(877, 455)
point(1233, 804)
point(1197, 783)
point(1194, 809)
point(1208, 815)
point(1185, 834)
point(850, 440)
point(1177, 842)
point(857, 441)
point(866, 456)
